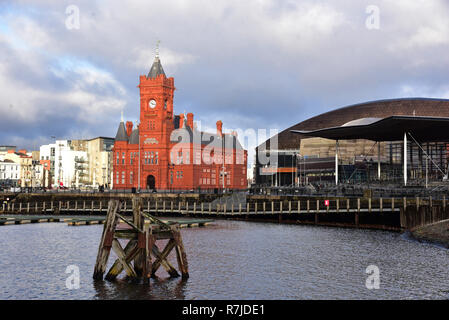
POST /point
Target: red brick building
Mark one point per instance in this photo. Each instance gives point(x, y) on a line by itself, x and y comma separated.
point(167, 152)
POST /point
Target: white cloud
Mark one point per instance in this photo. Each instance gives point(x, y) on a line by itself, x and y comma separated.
point(254, 63)
point(308, 23)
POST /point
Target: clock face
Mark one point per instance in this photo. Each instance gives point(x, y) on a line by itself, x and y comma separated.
point(152, 104)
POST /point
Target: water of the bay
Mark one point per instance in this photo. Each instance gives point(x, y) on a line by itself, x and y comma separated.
point(231, 260)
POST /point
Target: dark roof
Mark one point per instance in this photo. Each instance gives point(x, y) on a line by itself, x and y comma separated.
point(187, 135)
point(425, 107)
point(101, 137)
point(423, 129)
point(121, 133)
point(134, 137)
point(156, 69)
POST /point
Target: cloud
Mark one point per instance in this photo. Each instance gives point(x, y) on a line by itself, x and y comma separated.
point(252, 64)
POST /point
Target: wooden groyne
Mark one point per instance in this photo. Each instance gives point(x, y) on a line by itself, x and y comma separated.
point(135, 259)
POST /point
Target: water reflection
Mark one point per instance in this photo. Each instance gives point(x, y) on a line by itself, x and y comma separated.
point(158, 289)
point(231, 260)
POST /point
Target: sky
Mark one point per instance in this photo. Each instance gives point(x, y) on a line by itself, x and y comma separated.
point(254, 64)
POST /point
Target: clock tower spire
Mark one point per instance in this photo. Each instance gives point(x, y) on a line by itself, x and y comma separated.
point(156, 121)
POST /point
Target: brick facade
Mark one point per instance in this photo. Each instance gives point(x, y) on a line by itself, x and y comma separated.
point(173, 154)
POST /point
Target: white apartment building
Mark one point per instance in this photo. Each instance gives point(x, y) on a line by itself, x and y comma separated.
point(65, 163)
point(31, 172)
point(9, 172)
point(79, 163)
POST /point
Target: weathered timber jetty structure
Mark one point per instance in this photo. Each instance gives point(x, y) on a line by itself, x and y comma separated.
point(386, 213)
point(135, 257)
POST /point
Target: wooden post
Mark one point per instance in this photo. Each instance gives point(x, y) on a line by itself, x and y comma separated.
point(392, 204)
point(338, 205)
point(28, 206)
point(263, 205)
point(181, 256)
point(255, 208)
point(240, 208)
point(20, 207)
point(202, 207)
point(347, 205)
point(357, 213)
point(299, 206)
point(106, 240)
point(280, 206)
point(381, 204)
point(317, 205)
point(369, 205)
point(139, 222)
point(289, 207)
point(308, 206)
point(405, 203)
point(194, 207)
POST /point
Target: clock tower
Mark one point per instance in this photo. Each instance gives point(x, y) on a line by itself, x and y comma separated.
point(152, 157)
point(156, 124)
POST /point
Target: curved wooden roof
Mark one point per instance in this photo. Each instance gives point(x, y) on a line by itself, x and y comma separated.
point(424, 107)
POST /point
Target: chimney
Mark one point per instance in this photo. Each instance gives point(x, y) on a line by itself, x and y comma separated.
point(129, 127)
point(190, 120)
point(219, 128)
point(181, 120)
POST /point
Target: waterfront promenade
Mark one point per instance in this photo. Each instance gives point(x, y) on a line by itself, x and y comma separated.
point(395, 214)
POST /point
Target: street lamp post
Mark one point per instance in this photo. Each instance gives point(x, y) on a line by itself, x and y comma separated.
point(170, 167)
point(138, 170)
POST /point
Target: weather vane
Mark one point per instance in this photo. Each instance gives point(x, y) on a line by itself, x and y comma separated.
point(157, 48)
